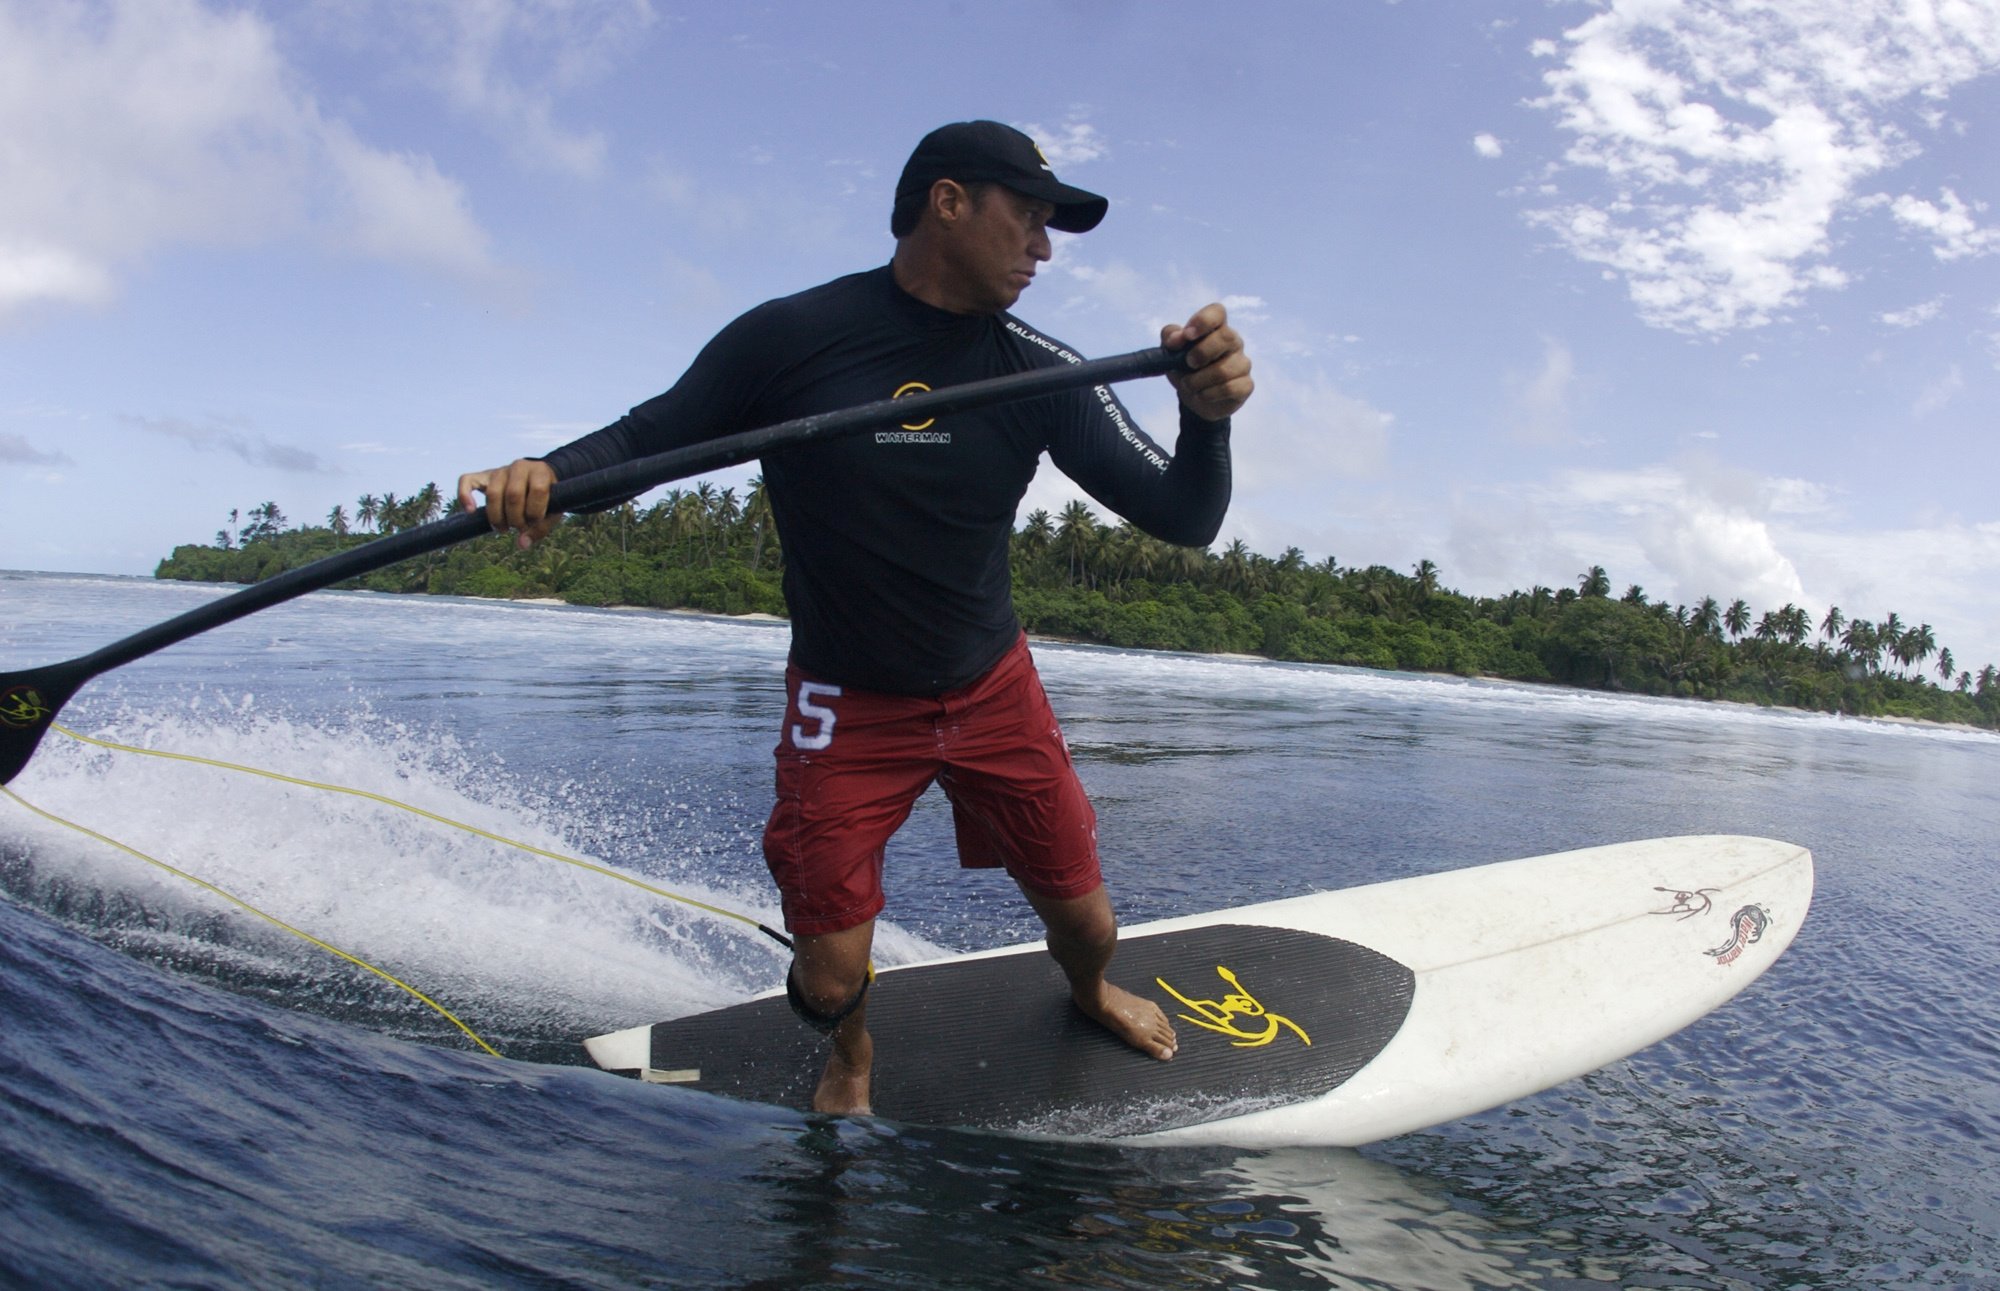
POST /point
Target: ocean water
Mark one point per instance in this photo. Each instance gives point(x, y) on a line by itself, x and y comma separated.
point(190, 1097)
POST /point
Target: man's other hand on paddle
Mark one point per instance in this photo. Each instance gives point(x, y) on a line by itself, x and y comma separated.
point(1219, 380)
point(517, 498)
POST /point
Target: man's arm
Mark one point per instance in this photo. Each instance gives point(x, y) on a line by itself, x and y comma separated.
point(1219, 382)
point(707, 401)
point(517, 498)
point(1180, 499)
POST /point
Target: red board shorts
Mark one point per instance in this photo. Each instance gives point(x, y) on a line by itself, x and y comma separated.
point(851, 764)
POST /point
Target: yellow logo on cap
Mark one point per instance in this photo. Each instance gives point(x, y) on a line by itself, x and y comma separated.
point(914, 387)
point(1044, 156)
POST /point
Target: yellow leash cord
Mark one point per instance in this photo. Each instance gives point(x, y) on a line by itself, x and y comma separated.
point(385, 801)
point(235, 900)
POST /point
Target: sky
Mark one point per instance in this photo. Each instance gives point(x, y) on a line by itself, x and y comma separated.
point(1705, 293)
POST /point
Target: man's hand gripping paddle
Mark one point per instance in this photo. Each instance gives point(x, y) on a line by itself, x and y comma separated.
point(30, 699)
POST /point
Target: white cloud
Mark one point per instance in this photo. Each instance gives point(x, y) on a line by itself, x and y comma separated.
point(1939, 394)
point(1729, 138)
point(400, 208)
point(134, 125)
point(1700, 544)
point(1542, 402)
point(1792, 497)
point(1950, 224)
point(1307, 431)
point(1916, 315)
point(1486, 146)
point(1074, 143)
point(1693, 529)
point(1940, 572)
point(16, 450)
point(1301, 432)
point(1680, 532)
point(1245, 308)
point(253, 447)
point(503, 64)
point(32, 273)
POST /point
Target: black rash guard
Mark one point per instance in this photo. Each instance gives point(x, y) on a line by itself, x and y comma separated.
point(896, 541)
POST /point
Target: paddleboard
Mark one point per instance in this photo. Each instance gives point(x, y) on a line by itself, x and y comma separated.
point(1338, 1018)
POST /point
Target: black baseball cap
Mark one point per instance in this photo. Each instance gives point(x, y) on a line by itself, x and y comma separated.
point(971, 151)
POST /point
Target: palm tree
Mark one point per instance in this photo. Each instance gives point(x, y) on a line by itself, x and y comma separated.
point(1634, 595)
point(555, 566)
point(367, 509)
point(1945, 665)
point(1920, 644)
point(1737, 618)
point(1829, 627)
point(1235, 568)
point(757, 514)
point(1890, 632)
point(1862, 642)
point(1427, 579)
point(1076, 535)
point(266, 521)
point(1189, 563)
point(1794, 624)
point(425, 506)
point(336, 520)
point(1594, 582)
point(1037, 533)
point(1118, 554)
point(1381, 590)
point(1707, 618)
point(690, 519)
point(726, 509)
point(1900, 645)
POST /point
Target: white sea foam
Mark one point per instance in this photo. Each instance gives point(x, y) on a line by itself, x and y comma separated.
point(531, 940)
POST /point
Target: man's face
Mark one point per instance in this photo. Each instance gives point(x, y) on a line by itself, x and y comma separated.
point(997, 246)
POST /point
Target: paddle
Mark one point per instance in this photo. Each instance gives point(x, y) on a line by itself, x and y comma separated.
point(29, 700)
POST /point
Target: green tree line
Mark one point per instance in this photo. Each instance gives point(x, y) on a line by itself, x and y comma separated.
point(707, 548)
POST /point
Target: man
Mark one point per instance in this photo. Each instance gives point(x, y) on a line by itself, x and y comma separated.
point(908, 665)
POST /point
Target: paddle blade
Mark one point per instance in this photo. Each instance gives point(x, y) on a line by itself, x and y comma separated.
point(28, 705)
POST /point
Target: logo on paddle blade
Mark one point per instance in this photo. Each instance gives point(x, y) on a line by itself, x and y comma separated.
point(1746, 928)
point(1224, 1016)
point(21, 706)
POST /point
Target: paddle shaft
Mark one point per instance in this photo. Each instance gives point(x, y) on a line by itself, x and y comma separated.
point(597, 489)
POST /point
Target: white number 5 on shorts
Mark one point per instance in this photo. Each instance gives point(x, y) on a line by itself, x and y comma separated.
point(820, 713)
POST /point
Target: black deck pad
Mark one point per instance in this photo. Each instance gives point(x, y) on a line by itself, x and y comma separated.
point(1266, 1017)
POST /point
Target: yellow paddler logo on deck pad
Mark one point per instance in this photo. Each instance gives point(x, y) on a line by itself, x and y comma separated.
point(22, 706)
point(1225, 1016)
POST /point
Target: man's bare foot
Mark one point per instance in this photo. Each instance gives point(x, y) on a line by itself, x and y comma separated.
point(1138, 1022)
point(843, 1086)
